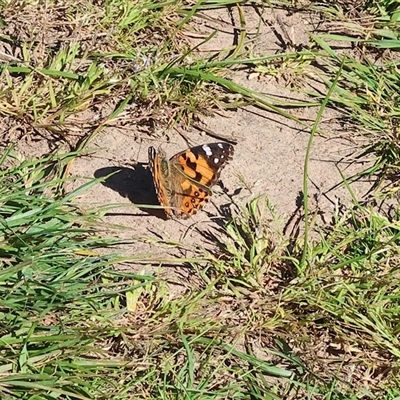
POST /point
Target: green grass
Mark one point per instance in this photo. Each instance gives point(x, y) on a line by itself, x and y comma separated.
point(314, 315)
point(58, 294)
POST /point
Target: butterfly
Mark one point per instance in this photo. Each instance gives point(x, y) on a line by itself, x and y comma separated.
point(183, 183)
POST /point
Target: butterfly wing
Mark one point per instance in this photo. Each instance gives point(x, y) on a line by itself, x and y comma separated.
point(160, 169)
point(199, 169)
point(203, 164)
point(183, 183)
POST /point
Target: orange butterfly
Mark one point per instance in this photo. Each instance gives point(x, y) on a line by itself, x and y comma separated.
point(183, 183)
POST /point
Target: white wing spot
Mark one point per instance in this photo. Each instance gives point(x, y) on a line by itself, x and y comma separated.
point(222, 156)
point(216, 160)
point(220, 145)
point(207, 150)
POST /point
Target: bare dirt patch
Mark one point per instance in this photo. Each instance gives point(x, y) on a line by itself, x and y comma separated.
point(269, 155)
point(269, 160)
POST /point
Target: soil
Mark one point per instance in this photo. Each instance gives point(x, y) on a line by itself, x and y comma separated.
point(269, 154)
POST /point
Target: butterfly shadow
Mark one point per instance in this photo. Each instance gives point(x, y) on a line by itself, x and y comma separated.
point(136, 184)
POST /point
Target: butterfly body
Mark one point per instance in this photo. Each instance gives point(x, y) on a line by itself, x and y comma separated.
point(183, 183)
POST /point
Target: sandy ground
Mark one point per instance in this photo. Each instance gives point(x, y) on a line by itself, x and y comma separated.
point(269, 154)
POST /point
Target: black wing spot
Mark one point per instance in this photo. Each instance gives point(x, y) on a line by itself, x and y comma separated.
point(191, 165)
